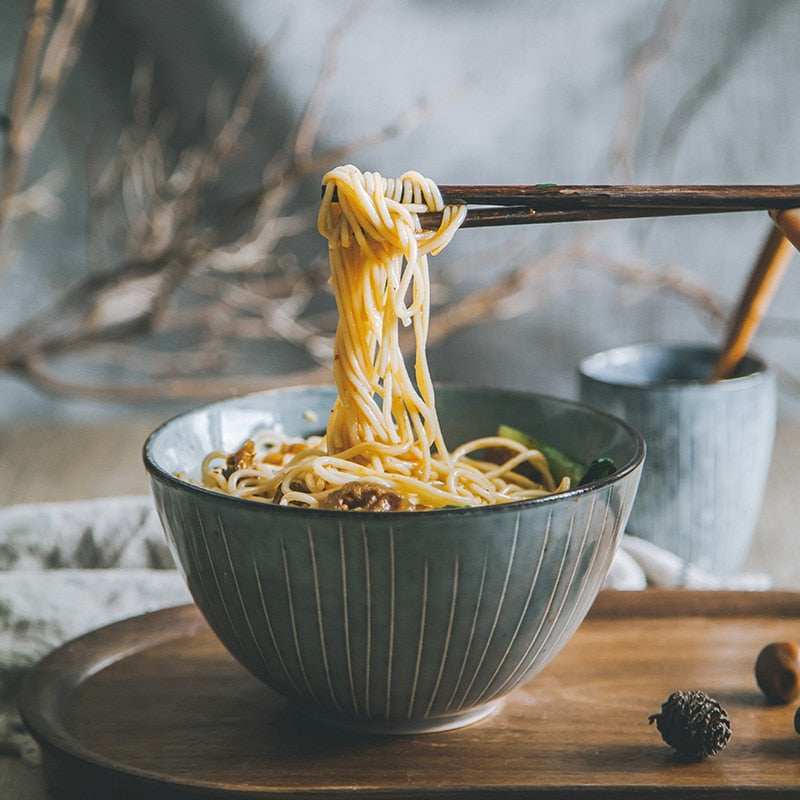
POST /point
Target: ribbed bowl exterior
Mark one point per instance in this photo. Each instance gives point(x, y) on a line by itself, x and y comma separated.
point(401, 621)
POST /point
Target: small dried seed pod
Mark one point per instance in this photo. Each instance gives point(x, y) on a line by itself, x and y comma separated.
point(694, 724)
point(778, 671)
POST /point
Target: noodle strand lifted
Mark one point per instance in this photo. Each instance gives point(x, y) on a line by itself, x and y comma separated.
point(383, 446)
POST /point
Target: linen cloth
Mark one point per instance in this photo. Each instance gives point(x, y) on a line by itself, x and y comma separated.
point(67, 568)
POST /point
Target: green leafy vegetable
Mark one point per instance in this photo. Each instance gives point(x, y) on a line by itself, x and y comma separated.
point(599, 468)
point(561, 465)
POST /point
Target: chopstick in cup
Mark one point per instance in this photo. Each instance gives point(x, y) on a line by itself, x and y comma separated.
point(765, 277)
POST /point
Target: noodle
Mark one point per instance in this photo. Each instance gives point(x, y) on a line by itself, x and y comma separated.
point(383, 436)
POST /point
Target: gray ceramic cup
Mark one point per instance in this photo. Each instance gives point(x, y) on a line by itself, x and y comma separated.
point(709, 445)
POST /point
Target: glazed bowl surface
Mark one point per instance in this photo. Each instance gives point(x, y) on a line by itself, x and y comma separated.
point(394, 622)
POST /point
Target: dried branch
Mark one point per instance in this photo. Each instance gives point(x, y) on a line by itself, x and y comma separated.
point(510, 295)
point(17, 148)
point(307, 132)
point(59, 57)
point(518, 292)
point(41, 70)
point(40, 373)
point(635, 83)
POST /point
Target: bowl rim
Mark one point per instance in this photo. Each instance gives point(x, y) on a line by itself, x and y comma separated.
point(157, 472)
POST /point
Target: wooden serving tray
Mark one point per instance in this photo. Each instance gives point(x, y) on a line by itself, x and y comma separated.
point(154, 707)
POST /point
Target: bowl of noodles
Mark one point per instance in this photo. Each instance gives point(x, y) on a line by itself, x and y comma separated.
point(389, 555)
point(394, 621)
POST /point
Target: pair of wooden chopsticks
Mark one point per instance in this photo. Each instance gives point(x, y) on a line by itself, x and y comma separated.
point(544, 203)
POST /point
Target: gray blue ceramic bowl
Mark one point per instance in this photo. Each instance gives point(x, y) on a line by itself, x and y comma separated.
point(402, 621)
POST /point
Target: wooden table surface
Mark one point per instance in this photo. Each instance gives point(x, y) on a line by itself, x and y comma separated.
point(155, 707)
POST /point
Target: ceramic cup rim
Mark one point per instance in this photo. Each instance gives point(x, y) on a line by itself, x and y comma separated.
point(603, 367)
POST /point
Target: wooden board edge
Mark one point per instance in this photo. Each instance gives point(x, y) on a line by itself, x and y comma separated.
point(659, 603)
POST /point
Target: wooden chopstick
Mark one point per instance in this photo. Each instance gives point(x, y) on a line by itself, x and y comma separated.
point(544, 203)
point(765, 277)
point(547, 196)
point(486, 216)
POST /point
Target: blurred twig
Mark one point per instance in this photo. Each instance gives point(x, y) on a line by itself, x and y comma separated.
point(46, 58)
point(647, 57)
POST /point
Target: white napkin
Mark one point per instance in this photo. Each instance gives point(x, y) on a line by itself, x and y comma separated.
point(639, 564)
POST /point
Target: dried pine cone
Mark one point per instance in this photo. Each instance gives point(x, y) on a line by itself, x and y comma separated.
point(694, 724)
